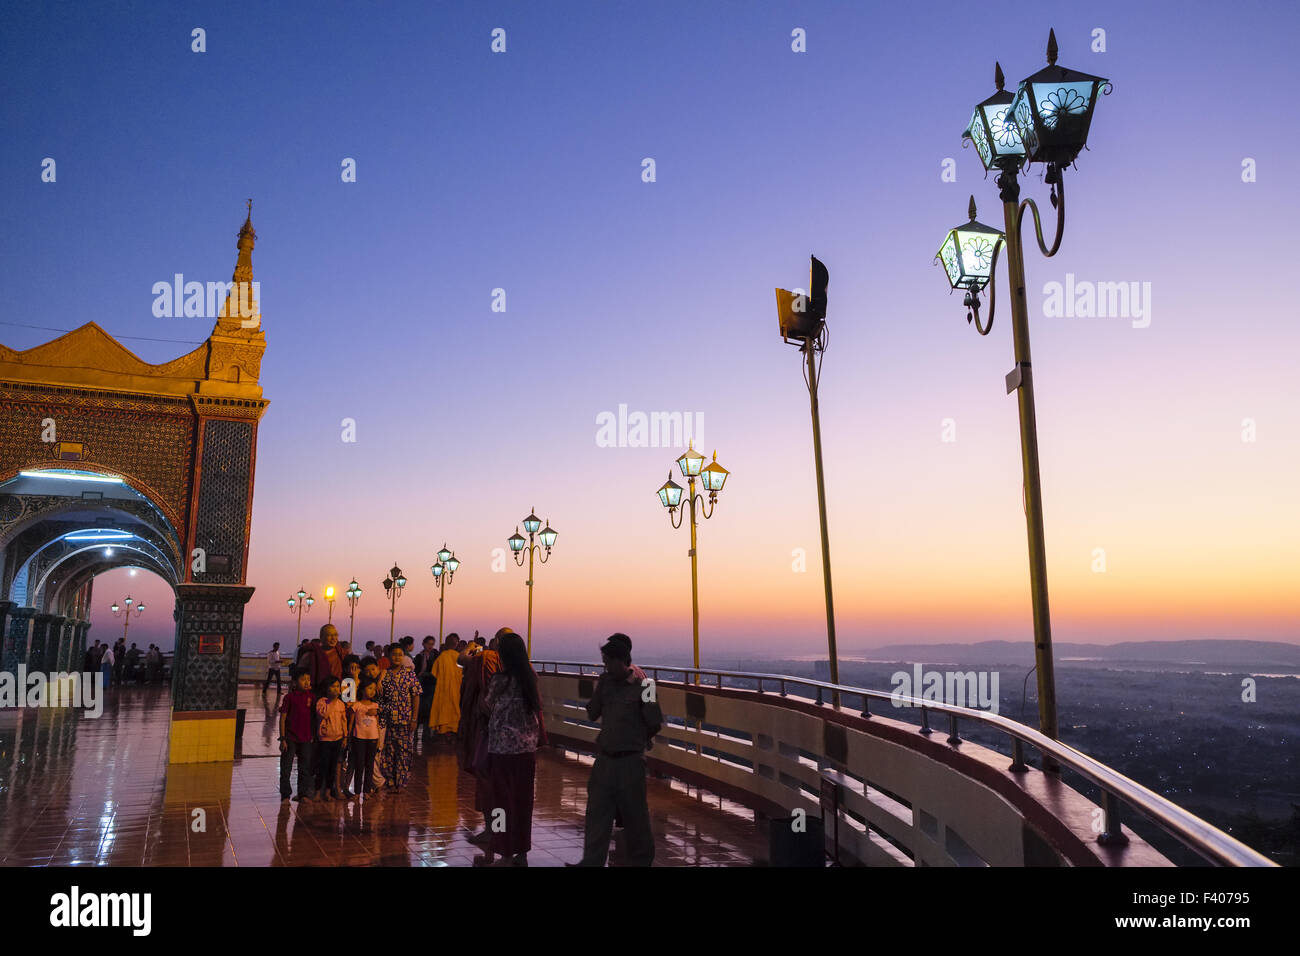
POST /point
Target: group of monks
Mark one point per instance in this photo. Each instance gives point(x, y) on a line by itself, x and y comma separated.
point(459, 674)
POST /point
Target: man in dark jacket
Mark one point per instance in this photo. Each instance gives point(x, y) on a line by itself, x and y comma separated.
point(624, 702)
point(424, 672)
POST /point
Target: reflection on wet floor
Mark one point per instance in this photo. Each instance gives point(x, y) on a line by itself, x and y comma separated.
point(100, 792)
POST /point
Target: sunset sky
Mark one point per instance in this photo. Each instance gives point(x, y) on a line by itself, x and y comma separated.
point(523, 171)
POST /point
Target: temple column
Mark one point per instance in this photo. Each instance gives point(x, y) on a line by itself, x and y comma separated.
point(17, 638)
point(205, 671)
point(36, 650)
point(53, 640)
point(79, 645)
point(65, 645)
point(5, 608)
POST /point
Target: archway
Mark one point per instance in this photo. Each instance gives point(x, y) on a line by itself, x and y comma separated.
point(107, 460)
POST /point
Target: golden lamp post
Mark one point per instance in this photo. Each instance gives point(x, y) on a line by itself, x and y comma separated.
point(393, 585)
point(1045, 121)
point(517, 547)
point(712, 477)
point(353, 594)
point(125, 613)
point(444, 569)
point(298, 604)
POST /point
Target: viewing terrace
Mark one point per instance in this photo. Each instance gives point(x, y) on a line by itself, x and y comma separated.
point(739, 755)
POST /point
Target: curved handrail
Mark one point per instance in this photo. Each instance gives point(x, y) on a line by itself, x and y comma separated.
point(1196, 834)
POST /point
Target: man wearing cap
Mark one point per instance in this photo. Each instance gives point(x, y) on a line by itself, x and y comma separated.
point(628, 724)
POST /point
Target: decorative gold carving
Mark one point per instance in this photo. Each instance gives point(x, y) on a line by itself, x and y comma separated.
point(208, 406)
point(89, 355)
point(150, 443)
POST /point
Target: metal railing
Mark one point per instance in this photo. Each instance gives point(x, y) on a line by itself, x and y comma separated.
point(1191, 831)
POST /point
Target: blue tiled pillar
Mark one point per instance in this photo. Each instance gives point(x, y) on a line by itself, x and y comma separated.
point(5, 608)
point(36, 650)
point(17, 638)
point(78, 645)
point(66, 633)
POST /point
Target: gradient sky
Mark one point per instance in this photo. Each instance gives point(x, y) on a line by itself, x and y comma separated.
point(523, 171)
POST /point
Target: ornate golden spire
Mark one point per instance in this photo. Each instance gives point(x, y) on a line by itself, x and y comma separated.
point(247, 236)
point(241, 314)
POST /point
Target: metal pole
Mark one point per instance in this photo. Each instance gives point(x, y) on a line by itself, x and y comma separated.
point(531, 551)
point(1022, 381)
point(695, 585)
point(352, 619)
point(392, 614)
point(442, 584)
point(299, 622)
point(821, 510)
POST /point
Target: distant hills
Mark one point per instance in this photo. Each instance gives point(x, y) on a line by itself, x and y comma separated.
point(1253, 655)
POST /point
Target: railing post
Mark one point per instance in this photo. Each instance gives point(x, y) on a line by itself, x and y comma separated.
point(1017, 756)
point(953, 737)
point(925, 721)
point(782, 687)
point(1113, 834)
point(819, 696)
point(760, 686)
point(866, 706)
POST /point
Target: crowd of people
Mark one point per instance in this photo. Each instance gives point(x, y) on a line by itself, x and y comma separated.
point(350, 720)
point(120, 664)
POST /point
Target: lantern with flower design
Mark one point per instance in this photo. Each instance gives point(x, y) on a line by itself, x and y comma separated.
point(1053, 110)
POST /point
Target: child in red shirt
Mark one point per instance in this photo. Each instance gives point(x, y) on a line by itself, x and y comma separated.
point(296, 738)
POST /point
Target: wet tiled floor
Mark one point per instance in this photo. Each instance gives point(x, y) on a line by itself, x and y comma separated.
point(75, 790)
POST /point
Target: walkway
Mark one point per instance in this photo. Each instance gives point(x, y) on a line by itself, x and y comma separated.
point(93, 792)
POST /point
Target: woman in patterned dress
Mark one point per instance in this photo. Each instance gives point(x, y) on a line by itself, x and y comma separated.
point(399, 708)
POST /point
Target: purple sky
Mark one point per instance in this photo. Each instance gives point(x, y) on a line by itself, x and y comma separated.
point(523, 171)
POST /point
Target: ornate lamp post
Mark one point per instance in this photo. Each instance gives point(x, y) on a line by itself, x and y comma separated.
point(393, 585)
point(802, 319)
point(517, 547)
point(712, 477)
point(1045, 121)
point(125, 613)
point(444, 569)
point(329, 596)
point(299, 603)
point(353, 594)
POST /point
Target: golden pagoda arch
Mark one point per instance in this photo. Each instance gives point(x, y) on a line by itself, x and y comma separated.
point(94, 439)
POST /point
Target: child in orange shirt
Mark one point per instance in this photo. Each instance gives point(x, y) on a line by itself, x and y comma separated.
point(332, 736)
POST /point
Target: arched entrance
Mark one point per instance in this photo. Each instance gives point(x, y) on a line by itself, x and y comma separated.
point(108, 461)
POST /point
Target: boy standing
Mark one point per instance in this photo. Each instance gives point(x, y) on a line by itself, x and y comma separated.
point(296, 737)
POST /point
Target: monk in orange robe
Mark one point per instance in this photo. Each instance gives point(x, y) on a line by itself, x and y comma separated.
point(444, 715)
